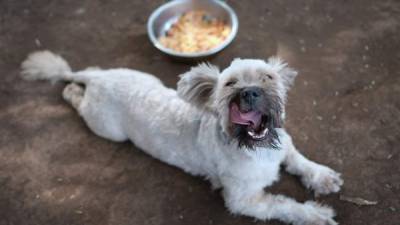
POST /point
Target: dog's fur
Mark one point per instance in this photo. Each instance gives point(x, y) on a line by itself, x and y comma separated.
point(191, 128)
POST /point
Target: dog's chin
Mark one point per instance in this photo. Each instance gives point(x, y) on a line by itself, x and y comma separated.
point(250, 138)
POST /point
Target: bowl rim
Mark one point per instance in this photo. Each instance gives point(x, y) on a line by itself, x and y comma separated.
point(159, 46)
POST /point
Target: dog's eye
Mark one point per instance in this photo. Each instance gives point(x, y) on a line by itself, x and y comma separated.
point(270, 77)
point(230, 83)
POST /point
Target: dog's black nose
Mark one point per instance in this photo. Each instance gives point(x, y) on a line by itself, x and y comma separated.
point(251, 94)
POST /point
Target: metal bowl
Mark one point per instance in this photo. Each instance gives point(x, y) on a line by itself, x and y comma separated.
point(167, 14)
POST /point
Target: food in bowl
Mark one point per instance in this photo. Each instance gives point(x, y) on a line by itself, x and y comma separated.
point(195, 31)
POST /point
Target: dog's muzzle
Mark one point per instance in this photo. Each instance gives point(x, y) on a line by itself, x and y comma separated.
point(246, 112)
point(254, 116)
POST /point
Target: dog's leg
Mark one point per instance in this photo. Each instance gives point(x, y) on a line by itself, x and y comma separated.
point(266, 206)
point(320, 178)
point(73, 94)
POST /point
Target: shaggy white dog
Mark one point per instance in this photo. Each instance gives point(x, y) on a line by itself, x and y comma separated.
point(225, 126)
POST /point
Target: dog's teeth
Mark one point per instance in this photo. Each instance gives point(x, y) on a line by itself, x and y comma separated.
point(253, 134)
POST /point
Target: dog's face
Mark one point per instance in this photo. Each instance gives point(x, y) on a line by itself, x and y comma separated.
point(248, 97)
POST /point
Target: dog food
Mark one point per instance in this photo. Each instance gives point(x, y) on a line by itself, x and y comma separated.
point(195, 31)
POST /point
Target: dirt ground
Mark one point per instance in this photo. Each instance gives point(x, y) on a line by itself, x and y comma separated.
point(344, 111)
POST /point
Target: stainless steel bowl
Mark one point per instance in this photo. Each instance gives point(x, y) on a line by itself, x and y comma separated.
point(164, 16)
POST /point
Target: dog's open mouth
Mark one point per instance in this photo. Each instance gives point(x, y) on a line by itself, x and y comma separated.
point(254, 121)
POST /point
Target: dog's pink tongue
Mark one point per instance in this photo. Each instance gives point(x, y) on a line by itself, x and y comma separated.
point(252, 118)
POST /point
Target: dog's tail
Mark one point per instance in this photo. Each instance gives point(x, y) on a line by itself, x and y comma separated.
point(45, 65)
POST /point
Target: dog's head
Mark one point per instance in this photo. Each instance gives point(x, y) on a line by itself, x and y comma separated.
point(248, 97)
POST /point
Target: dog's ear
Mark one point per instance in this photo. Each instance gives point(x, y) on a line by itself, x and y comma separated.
point(197, 85)
point(287, 74)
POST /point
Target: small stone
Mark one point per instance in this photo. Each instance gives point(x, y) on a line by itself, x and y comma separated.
point(355, 104)
point(389, 156)
point(59, 179)
point(37, 42)
point(366, 48)
point(373, 82)
point(366, 66)
point(181, 217)
point(80, 212)
point(303, 49)
point(319, 45)
point(80, 11)
point(319, 118)
point(334, 117)
point(393, 209)
point(336, 93)
point(364, 57)
point(305, 83)
point(314, 103)
point(330, 19)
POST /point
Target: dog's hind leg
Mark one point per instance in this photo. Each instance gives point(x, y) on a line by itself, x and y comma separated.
point(73, 94)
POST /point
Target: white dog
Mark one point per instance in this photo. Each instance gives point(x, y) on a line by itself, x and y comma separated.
point(225, 126)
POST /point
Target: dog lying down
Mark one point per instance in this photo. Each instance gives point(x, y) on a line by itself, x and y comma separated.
point(224, 125)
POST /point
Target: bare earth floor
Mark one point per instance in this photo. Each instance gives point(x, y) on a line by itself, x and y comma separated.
point(344, 111)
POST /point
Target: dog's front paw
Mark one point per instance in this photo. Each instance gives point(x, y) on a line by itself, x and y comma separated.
point(316, 214)
point(323, 180)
